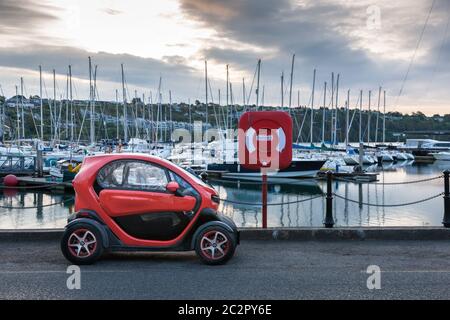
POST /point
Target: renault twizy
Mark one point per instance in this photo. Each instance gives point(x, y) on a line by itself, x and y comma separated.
point(136, 202)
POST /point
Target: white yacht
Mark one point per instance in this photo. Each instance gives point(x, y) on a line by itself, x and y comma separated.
point(427, 144)
point(441, 156)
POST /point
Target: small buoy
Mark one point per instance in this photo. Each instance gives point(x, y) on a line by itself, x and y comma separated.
point(10, 180)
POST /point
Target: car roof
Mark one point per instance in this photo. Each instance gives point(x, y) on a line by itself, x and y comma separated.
point(108, 157)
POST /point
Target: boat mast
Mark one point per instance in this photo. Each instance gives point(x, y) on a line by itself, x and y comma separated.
point(67, 108)
point(144, 123)
point(55, 129)
point(243, 95)
point(17, 115)
point(228, 93)
point(143, 110)
point(136, 128)
point(170, 114)
point(117, 115)
point(324, 111)
point(191, 125)
point(71, 105)
point(22, 114)
point(384, 116)
point(90, 103)
point(206, 94)
point(221, 110)
point(124, 99)
point(94, 97)
point(332, 108)
point(290, 85)
point(2, 118)
point(378, 114)
point(231, 106)
point(159, 110)
point(282, 90)
point(312, 107)
point(337, 109)
point(360, 116)
point(368, 118)
point(59, 116)
point(347, 106)
point(41, 103)
point(150, 115)
point(257, 84)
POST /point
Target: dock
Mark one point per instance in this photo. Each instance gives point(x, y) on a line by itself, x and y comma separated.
point(216, 173)
point(44, 182)
point(357, 177)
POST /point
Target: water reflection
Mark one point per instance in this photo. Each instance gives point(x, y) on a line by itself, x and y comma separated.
point(346, 213)
point(288, 214)
point(12, 216)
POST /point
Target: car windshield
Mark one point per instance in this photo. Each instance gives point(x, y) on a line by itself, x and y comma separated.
point(194, 177)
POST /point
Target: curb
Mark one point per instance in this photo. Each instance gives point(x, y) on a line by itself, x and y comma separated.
point(290, 234)
point(31, 234)
point(369, 233)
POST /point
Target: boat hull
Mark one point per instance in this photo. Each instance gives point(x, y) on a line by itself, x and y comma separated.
point(441, 156)
point(297, 169)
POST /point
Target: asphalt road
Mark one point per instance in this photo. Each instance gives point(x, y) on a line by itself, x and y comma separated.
point(259, 270)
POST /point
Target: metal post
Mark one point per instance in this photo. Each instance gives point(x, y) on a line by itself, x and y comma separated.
point(329, 221)
point(446, 221)
point(361, 154)
point(264, 200)
point(39, 162)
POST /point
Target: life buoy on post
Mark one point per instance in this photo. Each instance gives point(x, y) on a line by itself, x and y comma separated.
point(265, 140)
point(265, 144)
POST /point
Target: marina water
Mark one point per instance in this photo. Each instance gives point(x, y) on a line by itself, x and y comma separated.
point(287, 211)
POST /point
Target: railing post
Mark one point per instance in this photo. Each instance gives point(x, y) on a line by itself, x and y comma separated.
point(329, 221)
point(446, 221)
point(264, 200)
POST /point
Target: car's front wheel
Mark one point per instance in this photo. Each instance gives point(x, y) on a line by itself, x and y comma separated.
point(215, 245)
point(82, 243)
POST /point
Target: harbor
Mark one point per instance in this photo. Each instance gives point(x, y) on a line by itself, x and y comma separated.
point(298, 202)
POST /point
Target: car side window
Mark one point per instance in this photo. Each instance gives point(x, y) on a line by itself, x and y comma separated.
point(141, 175)
point(111, 176)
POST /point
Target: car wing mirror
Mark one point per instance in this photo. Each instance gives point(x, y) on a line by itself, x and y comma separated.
point(173, 187)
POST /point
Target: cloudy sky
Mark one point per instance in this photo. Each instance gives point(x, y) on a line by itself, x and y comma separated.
point(369, 43)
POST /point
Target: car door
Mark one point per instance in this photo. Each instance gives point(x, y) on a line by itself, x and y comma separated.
point(134, 195)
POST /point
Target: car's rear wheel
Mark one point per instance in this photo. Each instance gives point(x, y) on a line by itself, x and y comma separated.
point(215, 245)
point(82, 243)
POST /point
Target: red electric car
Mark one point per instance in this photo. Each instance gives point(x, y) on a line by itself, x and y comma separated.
point(137, 202)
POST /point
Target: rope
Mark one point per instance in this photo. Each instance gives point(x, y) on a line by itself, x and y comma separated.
point(388, 205)
point(259, 182)
point(272, 204)
point(42, 206)
point(391, 183)
point(415, 52)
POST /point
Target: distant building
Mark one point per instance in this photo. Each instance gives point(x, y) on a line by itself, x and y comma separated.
point(19, 100)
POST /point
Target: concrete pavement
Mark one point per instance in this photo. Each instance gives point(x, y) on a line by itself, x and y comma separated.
point(260, 270)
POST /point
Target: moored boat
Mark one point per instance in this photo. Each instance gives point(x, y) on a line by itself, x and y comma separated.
point(299, 168)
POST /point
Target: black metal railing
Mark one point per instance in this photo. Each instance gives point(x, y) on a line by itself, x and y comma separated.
point(329, 220)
